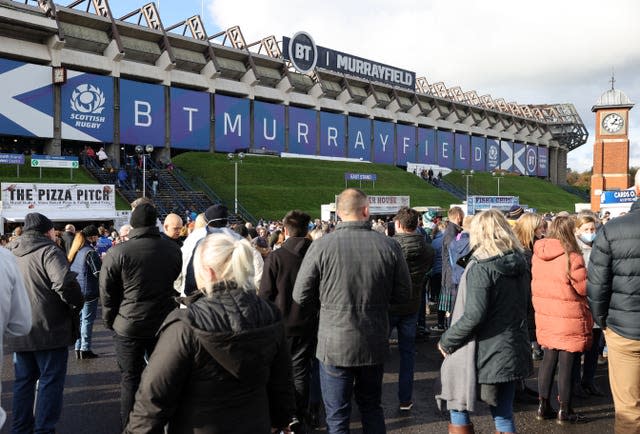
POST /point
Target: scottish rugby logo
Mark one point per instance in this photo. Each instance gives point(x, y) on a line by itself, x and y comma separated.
point(87, 99)
point(87, 102)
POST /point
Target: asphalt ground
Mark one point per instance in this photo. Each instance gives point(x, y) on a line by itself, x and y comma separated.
point(92, 393)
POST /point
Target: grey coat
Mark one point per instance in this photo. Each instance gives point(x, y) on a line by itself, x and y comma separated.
point(354, 274)
point(53, 291)
point(458, 377)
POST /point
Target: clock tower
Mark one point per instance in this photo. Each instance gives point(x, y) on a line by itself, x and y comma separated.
point(611, 147)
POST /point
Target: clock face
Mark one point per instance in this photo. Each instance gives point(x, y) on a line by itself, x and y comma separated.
point(612, 123)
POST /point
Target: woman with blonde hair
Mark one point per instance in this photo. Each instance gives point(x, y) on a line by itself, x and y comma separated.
point(221, 365)
point(563, 319)
point(487, 343)
point(86, 262)
point(529, 228)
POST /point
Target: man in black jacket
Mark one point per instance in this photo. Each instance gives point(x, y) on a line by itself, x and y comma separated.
point(280, 271)
point(136, 290)
point(404, 315)
point(613, 290)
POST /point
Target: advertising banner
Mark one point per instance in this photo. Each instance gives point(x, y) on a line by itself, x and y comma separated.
point(190, 119)
point(383, 142)
point(406, 144)
point(58, 201)
point(332, 134)
point(142, 113)
point(387, 204)
point(543, 161)
point(531, 160)
point(305, 55)
point(232, 126)
point(622, 196)
point(26, 100)
point(445, 149)
point(359, 143)
point(11, 158)
point(87, 107)
point(478, 147)
point(463, 151)
point(506, 155)
point(493, 154)
point(519, 158)
point(268, 126)
point(480, 203)
point(303, 126)
point(426, 146)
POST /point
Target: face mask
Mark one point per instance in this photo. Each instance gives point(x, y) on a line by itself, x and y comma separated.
point(588, 238)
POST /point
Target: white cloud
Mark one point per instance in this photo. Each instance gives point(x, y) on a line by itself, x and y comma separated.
point(542, 52)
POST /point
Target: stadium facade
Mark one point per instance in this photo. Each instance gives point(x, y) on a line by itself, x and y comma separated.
point(73, 75)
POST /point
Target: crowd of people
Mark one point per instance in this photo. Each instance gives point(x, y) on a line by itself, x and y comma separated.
point(226, 327)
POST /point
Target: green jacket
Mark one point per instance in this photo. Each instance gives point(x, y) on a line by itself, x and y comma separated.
point(498, 293)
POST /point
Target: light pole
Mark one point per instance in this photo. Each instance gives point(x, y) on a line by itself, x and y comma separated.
point(468, 175)
point(147, 150)
point(232, 157)
point(498, 177)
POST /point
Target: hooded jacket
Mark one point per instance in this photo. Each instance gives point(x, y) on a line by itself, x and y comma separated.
point(136, 283)
point(563, 319)
point(54, 294)
point(278, 277)
point(614, 275)
point(220, 366)
point(495, 313)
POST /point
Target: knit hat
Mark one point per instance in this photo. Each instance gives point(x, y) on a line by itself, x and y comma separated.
point(145, 214)
point(90, 231)
point(515, 212)
point(35, 221)
point(216, 213)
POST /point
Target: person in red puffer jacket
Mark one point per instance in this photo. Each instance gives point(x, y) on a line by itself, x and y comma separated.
point(563, 319)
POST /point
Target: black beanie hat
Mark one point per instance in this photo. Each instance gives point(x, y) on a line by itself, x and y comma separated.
point(37, 222)
point(90, 231)
point(144, 215)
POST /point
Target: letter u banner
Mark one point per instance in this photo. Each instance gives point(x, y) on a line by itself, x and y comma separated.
point(142, 113)
point(268, 126)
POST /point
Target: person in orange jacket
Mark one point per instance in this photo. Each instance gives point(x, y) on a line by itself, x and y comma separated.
point(563, 319)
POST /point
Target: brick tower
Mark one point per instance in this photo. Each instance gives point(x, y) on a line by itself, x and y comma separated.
point(611, 147)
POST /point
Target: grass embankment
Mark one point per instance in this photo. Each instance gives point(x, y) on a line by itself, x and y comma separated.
point(51, 176)
point(269, 187)
point(534, 192)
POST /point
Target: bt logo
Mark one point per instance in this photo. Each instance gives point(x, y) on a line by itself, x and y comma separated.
point(303, 52)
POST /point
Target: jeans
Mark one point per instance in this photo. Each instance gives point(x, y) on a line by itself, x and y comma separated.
point(502, 413)
point(49, 367)
point(87, 318)
point(302, 349)
point(131, 353)
point(406, 325)
point(339, 383)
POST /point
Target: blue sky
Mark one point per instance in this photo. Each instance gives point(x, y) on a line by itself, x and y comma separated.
point(541, 52)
